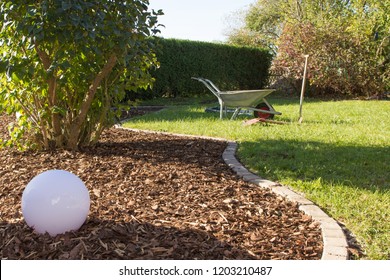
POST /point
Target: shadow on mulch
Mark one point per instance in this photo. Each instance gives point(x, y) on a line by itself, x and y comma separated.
point(99, 239)
point(156, 196)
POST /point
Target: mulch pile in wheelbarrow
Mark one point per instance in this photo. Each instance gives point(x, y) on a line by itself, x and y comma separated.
point(155, 196)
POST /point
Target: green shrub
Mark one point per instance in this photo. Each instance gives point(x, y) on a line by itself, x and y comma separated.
point(65, 64)
point(229, 67)
point(340, 63)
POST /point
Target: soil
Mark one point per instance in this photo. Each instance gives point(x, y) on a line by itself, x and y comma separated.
point(155, 196)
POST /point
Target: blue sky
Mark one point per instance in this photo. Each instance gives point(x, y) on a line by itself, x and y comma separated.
point(200, 20)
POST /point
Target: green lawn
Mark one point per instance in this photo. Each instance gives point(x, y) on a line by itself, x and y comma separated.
point(339, 157)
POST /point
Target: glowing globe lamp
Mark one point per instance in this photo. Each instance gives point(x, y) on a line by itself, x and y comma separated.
point(55, 201)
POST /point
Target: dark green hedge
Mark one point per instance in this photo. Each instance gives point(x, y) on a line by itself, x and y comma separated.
point(229, 67)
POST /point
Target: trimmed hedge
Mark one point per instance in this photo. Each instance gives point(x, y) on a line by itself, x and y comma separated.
point(229, 67)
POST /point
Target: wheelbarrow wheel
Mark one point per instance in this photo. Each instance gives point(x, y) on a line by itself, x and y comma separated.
point(262, 115)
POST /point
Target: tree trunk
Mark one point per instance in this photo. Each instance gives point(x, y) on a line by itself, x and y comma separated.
point(52, 98)
point(75, 130)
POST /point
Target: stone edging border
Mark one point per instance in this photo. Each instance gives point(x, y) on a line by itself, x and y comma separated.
point(335, 242)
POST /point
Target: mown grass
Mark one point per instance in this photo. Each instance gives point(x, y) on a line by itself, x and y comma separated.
point(339, 157)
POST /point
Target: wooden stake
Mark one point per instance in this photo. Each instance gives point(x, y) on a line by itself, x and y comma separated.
point(253, 121)
point(303, 90)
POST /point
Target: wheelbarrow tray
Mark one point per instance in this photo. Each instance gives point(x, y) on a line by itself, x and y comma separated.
point(244, 98)
point(240, 99)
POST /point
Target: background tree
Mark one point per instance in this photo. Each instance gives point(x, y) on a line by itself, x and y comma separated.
point(65, 63)
point(347, 40)
point(263, 23)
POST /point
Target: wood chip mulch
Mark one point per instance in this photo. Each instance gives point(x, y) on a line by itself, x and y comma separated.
point(155, 196)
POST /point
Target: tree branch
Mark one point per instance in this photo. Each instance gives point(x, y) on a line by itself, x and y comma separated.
point(86, 104)
point(52, 93)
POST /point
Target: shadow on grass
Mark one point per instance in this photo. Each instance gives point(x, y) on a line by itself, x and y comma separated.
point(197, 110)
point(174, 113)
point(208, 112)
point(363, 167)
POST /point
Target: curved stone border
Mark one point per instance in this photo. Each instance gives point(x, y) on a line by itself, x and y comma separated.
point(335, 242)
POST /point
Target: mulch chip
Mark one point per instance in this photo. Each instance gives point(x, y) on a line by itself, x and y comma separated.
point(155, 196)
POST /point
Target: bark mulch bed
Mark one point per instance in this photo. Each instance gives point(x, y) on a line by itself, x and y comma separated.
point(155, 196)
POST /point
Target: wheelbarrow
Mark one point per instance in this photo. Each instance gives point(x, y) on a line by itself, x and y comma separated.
point(242, 99)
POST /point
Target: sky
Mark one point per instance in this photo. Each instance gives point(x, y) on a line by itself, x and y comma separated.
point(198, 20)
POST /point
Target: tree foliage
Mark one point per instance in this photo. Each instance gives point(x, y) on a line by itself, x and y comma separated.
point(65, 63)
point(348, 42)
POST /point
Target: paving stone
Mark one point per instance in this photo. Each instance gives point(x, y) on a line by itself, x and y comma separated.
point(334, 253)
point(314, 211)
point(291, 195)
point(263, 183)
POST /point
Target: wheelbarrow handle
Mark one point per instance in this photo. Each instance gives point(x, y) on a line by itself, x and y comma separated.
point(209, 84)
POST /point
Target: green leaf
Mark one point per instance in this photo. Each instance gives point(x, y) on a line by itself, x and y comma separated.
point(66, 5)
point(58, 110)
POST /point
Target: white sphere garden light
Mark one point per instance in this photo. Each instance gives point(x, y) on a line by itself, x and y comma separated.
point(55, 201)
